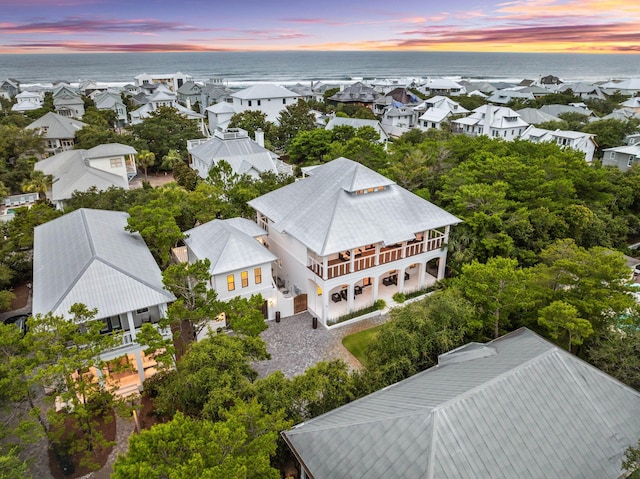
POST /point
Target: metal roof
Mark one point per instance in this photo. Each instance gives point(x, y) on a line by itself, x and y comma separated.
point(57, 126)
point(257, 92)
point(88, 257)
point(71, 172)
point(517, 406)
point(230, 245)
point(325, 212)
point(110, 149)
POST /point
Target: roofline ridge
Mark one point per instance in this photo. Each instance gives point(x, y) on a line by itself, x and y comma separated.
point(120, 270)
point(328, 228)
point(416, 412)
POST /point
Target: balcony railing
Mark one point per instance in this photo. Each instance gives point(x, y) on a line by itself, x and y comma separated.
point(365, 259)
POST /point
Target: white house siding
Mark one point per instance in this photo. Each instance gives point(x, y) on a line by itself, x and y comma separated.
point(269, 106)
point(104, 164)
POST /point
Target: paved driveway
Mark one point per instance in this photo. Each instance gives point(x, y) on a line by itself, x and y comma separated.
point(295, 346)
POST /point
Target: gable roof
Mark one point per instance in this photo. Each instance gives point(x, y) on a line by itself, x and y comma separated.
point(57, 126)
point(88, 257)
point(358, 92)
point(533, 116)
point(260, 91)
point(230, 244)
point(517, 406)
point(325, 212)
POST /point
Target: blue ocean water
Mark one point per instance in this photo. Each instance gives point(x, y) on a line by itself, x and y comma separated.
point(239, 68)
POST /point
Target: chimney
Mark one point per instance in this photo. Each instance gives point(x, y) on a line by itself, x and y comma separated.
point(259, 137)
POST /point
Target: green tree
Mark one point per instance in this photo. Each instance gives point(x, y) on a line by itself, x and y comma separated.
point(245, 315)
point(617, 353)
point(561, 318)
point(171, 160)
point(294, 119)
point(157, 225)
point(166, 129)
point(309, 147)
point(252, 120)
point(497, 288)
point(37, 183)
point(237, 447)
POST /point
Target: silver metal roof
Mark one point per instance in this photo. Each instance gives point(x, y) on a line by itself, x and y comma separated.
point(57, 126)
point(88, 257)
point(230, 245)
point(325, 213)
point(110, 149)
point(71, 172)
point(267, 90)
point(517, 407)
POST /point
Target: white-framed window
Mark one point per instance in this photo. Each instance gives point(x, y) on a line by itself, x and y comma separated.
point(116, 162)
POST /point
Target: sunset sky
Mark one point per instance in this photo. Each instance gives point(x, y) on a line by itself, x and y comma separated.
point(67, 26)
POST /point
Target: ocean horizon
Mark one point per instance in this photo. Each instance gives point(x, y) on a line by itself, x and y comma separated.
point(289, 67)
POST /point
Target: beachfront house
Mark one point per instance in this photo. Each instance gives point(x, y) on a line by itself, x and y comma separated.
point(244, 155)
point(27, 101)
point(357, 93)
point(517, 406)
point(436, 111)
point(266, 98)
point(346, 236)
point(101, 167)
point(493, 121)
point(576, 140)
point(441, 86)
point(173, 81)
point(58, 132)
point(88, 257)
point(241, 265)
point(9, 88)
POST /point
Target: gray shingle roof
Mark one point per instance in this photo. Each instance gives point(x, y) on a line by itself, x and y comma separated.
point(516, 407)
point(229, 244)
point(324, 213)
point(88, 257)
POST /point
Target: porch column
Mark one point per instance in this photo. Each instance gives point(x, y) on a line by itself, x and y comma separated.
point(446, 234)
point(401, 280)
point(442, 263)
point(325, 265)
point(375, 288)
point(139, 365)
point(377, 258)
point(351, 260)
point(132, 327)
point(350, 296)
point(425, 239)
point(325, 305)
point(423, 274)
point(403, 250)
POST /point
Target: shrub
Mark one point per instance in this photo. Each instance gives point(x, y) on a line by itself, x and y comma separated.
point(399, 297)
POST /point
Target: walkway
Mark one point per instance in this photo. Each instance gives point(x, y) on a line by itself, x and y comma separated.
point(295, 346)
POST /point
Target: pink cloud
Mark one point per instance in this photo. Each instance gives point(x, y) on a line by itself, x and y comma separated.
point(85, 25)
point(117, 47)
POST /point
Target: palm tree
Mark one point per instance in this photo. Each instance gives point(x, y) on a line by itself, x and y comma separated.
point(38, 182)
point(172, 159)
point(146, 159)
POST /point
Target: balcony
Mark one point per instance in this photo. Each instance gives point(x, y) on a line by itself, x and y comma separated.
point(369, 257)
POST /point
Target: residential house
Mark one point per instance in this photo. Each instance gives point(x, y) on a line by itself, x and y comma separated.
point(58, 132)
point(173, 81)
point(70, 106)
point(346, 237)
point(88, 257)
point(109, 100)
point(10, 87)
point(483, 89)
point(633, 103)
point(436, 110)
point(358, 123)
point(267, 98)
point(244, 155)
point(397, 120)
point(219, 115)
point(214, 93)
point(398, 97)
point(630, 87)
point(549, 80)
point(492, 121)
point(101, 167)
point(358, 93)
point(240, 263)
point(623, 157)
point(27, 101)
point(576, 140)
point(585, 91)
point(189, 94)
point(304, 91)
point(319, 89)
point(517, 406)
point(621, 114)
point(91, 87)
point(632, 139)
point(442, 86)
point(64, 89)
point(502, 97)
point(387, 85)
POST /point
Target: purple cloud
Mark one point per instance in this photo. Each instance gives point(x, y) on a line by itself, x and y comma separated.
point(86, 25)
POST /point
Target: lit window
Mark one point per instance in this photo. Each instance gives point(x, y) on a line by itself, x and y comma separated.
point(244, 277)
point(231, 282)
point(258, 275)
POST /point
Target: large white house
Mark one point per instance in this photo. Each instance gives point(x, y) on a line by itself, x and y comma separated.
point(171, 80)
point(267, 98)
point(493, 121)
point(88, 257)
point(347, 236)
point(436, 110)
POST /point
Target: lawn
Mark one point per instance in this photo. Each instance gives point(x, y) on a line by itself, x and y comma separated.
point(357, 342)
